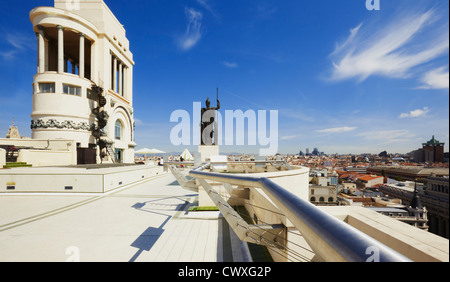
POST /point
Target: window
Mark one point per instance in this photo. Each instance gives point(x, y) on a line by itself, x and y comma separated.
point(47, 87)
point(118, 130)
point(313, 199)
point(72, 90)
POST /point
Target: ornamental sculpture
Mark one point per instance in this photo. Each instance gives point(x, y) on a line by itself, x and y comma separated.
point(53, 123)
point(102, 120)
point(208, 126)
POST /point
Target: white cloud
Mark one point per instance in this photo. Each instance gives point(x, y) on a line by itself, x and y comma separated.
point(206, 5)
point(265, 10)
point(19, 43)
point(416, 113)
point(436, 79)
point(391, 50)
point(395, 135)
point(138, 122)
point(193, 32)
point(8, 55)
point(337, 130)
point(288, 137)
point(340, 47)
point(230, 65)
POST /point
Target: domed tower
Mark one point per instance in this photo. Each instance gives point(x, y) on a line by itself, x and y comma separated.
point(418, 211)
point(82, 45)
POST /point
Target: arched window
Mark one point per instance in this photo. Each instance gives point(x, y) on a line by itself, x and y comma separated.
point(313, 199)
point(321, 199)
point(118, 130)
point(330, 199)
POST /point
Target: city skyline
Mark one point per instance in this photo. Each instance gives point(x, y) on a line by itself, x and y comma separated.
point(342, 78)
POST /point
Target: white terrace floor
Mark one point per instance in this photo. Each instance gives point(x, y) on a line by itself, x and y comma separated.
point(144, 222)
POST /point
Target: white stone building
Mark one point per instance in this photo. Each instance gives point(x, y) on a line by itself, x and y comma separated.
point(82, 44)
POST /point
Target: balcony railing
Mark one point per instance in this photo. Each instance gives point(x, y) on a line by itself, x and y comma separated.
point(331, 239)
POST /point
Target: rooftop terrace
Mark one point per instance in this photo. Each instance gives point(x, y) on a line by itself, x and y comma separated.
point(148, 221)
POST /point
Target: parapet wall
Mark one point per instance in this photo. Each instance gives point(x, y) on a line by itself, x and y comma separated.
point(414, 243)
point(73, 179)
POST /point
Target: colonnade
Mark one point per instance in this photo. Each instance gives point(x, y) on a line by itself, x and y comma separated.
point(62, 64)
point(120, 74)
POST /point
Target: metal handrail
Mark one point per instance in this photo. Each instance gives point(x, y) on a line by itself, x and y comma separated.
point(330, 238)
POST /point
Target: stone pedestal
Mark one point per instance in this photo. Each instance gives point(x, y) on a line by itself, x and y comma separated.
point(207, 151)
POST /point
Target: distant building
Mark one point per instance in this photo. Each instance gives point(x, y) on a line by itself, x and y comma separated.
point(323, 195)
point(383, 154)
point(349, 188)
point(404, 173)
point(369, 181)
point(415, 214)
point(437, 202)
point(435, 198)
point(431, 151)
point(325, 180)
point(13, 132)
point(356, 169)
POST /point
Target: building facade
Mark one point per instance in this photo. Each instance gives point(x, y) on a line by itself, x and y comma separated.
point(435, 198)
point(366, 181)
point(431, 152)
point(438, 201)
point(82, 45)
point(323, 195)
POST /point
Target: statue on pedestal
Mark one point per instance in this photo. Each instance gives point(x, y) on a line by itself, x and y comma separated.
point(208, 125)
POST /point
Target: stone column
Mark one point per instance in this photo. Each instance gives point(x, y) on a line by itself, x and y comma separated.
point(60, 49)
point(125, 77)
point(41, 49)
point(74, 70)
point(120, 79)
point(216, 133)
point(81, 58)
point(115, 75)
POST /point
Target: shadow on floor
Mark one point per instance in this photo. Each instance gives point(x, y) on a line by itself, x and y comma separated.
point(147, 239)
point(150, 236)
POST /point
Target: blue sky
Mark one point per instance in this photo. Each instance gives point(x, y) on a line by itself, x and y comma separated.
point(343, 79)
